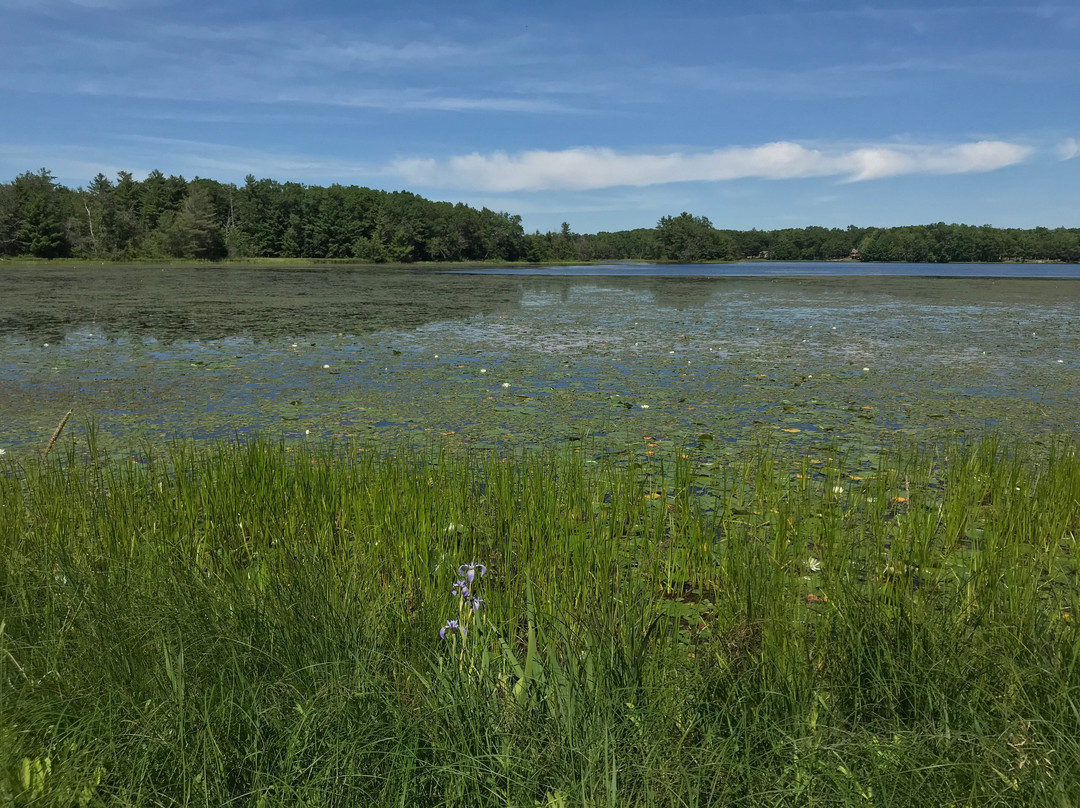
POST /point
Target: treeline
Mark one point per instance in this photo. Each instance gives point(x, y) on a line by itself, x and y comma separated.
point(171, 217)
point(689, 238)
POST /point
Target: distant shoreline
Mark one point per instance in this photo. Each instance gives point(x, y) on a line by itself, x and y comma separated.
point(180, 263)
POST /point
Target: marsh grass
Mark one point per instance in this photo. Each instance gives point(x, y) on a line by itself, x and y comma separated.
point(257, 624)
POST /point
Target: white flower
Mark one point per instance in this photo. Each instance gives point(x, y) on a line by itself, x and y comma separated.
point(814, 564)
point(644, 406)
point(483, 370)
point(506, 384)
point(326, 367)
point(307, 431)
point(866, 370)
point(294, 344)
point(3, 451)
point(838, 489)
point(436, 356)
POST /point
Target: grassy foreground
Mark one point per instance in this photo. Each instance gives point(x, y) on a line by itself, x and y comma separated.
point(255, 624)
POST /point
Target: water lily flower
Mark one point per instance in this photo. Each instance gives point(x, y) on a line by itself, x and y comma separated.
point(469, 571)
point(461, 588)
point(451, 625)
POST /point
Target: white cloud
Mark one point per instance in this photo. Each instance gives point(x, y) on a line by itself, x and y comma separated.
point(591, 168)
point(1069, 148)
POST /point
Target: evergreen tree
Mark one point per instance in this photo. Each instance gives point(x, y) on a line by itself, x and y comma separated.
point(40, 230)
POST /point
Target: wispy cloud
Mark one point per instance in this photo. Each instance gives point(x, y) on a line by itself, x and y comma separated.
point(278, 62)
point(1069, 148)
point(591, 168)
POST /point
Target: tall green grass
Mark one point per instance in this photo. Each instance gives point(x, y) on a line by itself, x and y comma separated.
point(257, 624)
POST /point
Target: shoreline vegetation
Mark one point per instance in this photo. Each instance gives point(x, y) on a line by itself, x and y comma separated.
point(318, 624)
point(168, 218)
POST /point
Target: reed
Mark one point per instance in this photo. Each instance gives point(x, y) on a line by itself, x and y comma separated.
point(258, 623)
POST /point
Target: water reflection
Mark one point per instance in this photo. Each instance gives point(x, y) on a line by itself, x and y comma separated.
point(49, 304)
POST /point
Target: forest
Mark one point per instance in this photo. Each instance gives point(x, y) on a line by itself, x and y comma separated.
point(170, 217)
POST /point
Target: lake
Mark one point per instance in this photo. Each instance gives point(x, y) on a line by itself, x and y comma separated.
point(617, 358)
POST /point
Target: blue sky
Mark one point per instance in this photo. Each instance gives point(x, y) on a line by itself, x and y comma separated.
point(607, 115)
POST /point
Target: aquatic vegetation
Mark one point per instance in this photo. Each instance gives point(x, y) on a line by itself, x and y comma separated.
point(780, 580)
point(274, 620)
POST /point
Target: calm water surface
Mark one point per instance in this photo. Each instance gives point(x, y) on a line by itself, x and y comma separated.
point(797, 269)
point(647, 355)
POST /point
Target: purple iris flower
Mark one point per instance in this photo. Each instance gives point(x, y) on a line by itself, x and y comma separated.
point(451, 625)
point(461, 588)
point(475, 602)
point(469, 570)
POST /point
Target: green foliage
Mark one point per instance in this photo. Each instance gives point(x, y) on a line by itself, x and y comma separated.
point(690, 239)
point(39, 231)
point(258, 623)
point(162, 217)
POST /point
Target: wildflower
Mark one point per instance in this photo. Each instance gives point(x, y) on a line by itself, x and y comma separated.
point(814, 564)
point(326, 367)
point(461, 588)
point(475, 602)
point(644, 406)
point(469, 571)
point(483, 370)
point(866, 370)
point(838, 489)
point(451, 625)
point(506, 384)
point(3, 451)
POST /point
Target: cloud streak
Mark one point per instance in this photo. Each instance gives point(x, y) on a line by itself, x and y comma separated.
point(594, 168)
point(1069, 148)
